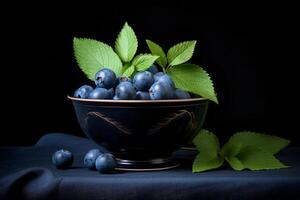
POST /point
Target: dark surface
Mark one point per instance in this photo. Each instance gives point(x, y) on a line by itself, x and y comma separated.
point(141, 130)
point(26, 172)
point(250, 50)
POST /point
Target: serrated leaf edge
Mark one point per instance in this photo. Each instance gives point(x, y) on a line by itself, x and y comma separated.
point(164, 54)
point(143, 54)
point(137, 42)
point(215, 99)
point(180, 43)
point(77, 55)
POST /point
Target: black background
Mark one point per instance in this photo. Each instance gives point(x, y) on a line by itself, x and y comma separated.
point(250, 52)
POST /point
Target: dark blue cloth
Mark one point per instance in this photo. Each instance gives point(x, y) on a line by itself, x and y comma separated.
point(27, 173)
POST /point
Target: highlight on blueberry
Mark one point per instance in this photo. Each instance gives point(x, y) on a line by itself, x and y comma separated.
point(166, 79)
point(142, 81)
point(83, 91)
point(125, 90)
point(141, 95)
point(100, 93)
point(105, 78)
point(90, 158)
point(161, 90)
point(62, 159)
point(106, 163)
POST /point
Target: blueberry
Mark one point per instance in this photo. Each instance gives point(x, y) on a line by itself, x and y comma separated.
point(140, 95)
point(180, 94)
point(90, 158)
point(125, 90)
point(111, 93)
point(100, 93)
point(142, 81)
point(153, 69)
point(105, 78)
point(124, 78)
point(106, 163)
point(83, 91)
point(161, 90)
point(62, 159)
point(116, 98)
point(167, 79)
point(158, 75)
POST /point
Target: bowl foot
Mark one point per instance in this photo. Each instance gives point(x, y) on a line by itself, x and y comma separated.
point(146, 165)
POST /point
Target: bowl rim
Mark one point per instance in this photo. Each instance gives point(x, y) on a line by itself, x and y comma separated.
point(138, 101)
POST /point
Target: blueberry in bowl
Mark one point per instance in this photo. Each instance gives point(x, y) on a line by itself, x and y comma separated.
point(141, 128)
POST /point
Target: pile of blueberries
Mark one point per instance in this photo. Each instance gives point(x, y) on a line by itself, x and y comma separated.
point(93, 160)
point(146, 85)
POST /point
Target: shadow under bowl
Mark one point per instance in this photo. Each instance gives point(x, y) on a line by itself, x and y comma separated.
point(142, 134)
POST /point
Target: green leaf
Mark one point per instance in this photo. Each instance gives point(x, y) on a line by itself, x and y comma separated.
point(269, 143)
point(255, 158)
point(207, 142)
point(235, 163)
point(129, 71)
point(230, 149)
point(157, 50)
point(126, 43)
point(143, 61)
point(253, 151)
point(205, 162)
point(181, 52)
point(208, 146)
point(92, 55)
point(194, 79)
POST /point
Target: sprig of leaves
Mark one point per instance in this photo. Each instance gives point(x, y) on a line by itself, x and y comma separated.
point(189, 77)
point(92, 55)
point(244, 150)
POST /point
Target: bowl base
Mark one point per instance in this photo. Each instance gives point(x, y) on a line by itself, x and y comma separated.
point(146, 165)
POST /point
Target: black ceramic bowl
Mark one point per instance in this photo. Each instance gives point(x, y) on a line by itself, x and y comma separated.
point(142, 134)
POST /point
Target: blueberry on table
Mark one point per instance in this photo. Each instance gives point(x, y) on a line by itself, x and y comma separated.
point(100, 93)
point(142, 81)
point(161, 90)
point(153, 69)
point(125, 90)
point(181, 94)
point(158, 75)
point(83, 92)
point(105, 78)
point(62, 159)
point(106, 163)
point(90, 158)
point(140, 95)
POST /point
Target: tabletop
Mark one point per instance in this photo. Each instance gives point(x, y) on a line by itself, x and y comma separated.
point(27, 173)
